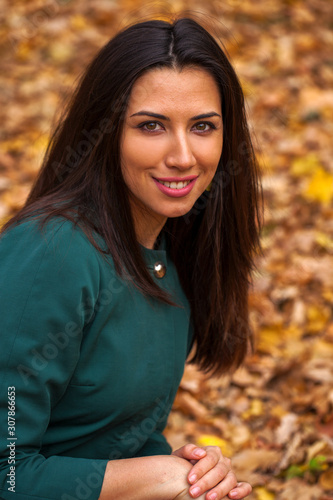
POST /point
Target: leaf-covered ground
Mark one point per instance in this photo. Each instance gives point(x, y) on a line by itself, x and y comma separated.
point(275, 415)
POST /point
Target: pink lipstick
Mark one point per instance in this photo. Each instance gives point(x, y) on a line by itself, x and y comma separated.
point(173, 191)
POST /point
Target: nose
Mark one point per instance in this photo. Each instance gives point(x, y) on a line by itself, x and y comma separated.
point(180, 154)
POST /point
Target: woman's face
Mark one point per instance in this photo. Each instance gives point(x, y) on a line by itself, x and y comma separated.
point(171, 142)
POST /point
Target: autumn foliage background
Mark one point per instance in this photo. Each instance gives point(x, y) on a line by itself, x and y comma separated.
point(275, 415)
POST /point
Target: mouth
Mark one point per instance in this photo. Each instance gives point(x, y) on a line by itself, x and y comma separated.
point(176, 183)
point(176, 187)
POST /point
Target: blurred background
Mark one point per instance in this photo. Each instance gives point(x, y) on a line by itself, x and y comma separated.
point(274, 416)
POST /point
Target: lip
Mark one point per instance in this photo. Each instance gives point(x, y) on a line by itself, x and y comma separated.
point(176, 193)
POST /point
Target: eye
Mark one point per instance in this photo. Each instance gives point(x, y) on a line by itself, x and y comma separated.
point(204, 126)
point(150, 126)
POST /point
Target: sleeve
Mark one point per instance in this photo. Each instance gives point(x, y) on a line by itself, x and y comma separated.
point(155, 445)
point(45, 278)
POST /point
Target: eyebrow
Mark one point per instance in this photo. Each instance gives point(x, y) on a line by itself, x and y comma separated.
point(162, 117)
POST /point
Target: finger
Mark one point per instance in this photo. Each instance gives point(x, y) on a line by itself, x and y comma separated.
point(190, 452)
point(208, 463)
point(218, 479)
point(242, 490)
point(223, 488)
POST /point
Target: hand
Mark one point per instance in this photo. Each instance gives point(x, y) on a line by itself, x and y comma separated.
point(184, 495)
point(212, 473)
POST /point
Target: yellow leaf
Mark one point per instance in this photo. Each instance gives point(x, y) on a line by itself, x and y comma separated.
point(212, 440)
point(317, 318)
point(306, 165)
point(320, 187)
point(322, 350)
point(60, 52)
point(256, 409)
point(263, 494)
point(293, 332)
point(14, 145)
point(328, 295)
point(278, 411)
point(271, 339)
point(325, 241)
point(79, 22)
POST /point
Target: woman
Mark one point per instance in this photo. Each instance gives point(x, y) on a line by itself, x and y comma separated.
point(135, 244)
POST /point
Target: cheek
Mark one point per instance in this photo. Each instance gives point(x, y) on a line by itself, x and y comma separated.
point(209, 156)
point(127, 154)
point(140, 154)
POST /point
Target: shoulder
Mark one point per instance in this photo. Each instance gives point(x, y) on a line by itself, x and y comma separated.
point(57, 233)
point(34, 229)
point(58, 246)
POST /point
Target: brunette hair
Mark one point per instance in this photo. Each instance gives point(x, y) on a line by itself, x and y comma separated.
point(213, 246)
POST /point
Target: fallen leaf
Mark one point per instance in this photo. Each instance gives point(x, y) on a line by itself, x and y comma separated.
point(191, 405)
point(286, 428)
point(252, 460)
point(256, 409)
point(306, 165)
point(326, 479)
point(211, 440)
point(320, 187)
point(297, 489)
point(263, 494)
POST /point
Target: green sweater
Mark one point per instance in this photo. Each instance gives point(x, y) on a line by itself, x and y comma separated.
point(88, 366)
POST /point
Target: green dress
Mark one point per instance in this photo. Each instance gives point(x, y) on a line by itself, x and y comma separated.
point(89, 366)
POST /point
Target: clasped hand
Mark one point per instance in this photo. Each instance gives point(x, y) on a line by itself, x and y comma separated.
point(211, 474)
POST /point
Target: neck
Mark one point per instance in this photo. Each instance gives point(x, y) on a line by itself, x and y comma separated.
point(147, 224)
point(148, 239)
point(147, 230)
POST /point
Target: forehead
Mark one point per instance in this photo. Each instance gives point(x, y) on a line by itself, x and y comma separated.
point(170, 89)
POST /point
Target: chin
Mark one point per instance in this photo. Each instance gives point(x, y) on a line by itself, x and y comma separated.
point(178, 213)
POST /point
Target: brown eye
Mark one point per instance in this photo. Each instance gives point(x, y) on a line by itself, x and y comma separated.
point(204, 127)
point(201, 126)
point(151, 126)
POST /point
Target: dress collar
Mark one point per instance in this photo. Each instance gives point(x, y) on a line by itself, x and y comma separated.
point(151, 256)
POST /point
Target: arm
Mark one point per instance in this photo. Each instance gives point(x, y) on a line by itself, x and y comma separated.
point(161, 477)
point(165, 477)
point(43, 280)
point(46, 279)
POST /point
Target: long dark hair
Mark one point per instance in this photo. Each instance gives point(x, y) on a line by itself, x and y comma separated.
point(213, 246)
